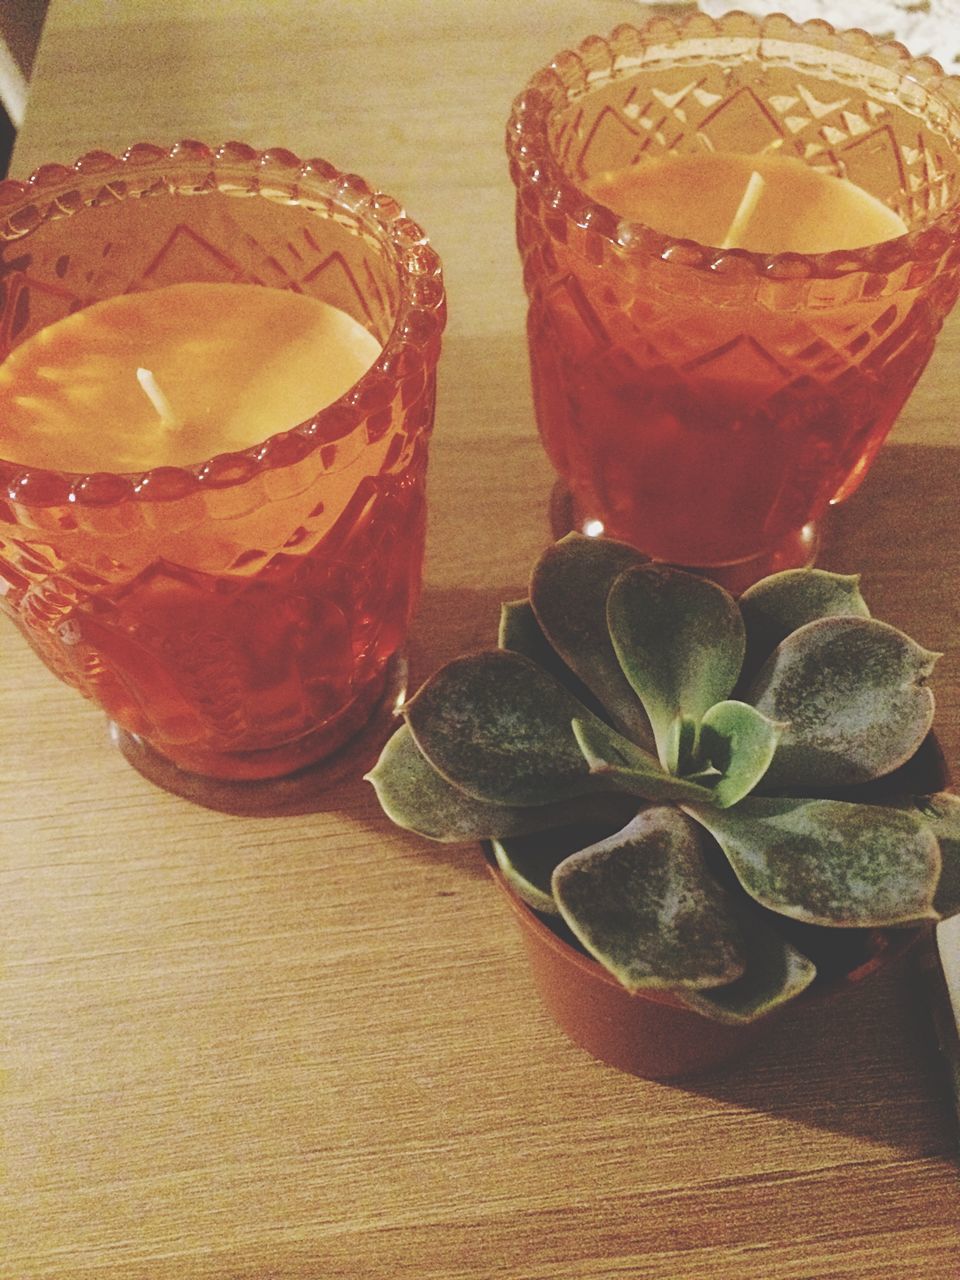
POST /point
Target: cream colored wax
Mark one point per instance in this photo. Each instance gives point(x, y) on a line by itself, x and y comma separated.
point(175, 375)
point(793, 208)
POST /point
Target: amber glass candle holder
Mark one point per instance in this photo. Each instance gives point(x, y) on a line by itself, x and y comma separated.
point(242, 620)
point(708, 404)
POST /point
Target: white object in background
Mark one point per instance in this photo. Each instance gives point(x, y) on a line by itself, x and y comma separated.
point(948, 944)
point(927, 27)
point(13, 85)
point(948, 1020)
point(21, 22)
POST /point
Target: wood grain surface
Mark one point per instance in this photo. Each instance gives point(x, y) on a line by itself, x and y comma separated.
point(305, 1048)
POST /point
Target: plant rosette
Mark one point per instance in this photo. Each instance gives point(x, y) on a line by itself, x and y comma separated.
point(710, 806)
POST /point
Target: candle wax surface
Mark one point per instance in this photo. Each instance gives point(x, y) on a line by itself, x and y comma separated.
point(696, 197)
point(237, 363)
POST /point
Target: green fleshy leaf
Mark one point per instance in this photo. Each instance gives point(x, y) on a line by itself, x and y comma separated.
point(498, 727)
point(520, 632)
point(528, 876)
point(685, 744)
point(923, 774)
point(613, 757)
point(415, 797)
point(739, 742)
point(783, 602)
point(644, 904)
point(942, 814)
point(775, 973)
point(680, 642)
point(829, 862)
point(528, 862)
point(853, 693)
point(568, 593)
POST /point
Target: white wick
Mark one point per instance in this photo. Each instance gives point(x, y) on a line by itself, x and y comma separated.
point(151, 389)
point(745, 211)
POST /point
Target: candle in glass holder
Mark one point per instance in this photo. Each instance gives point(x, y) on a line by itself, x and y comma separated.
point(217, 372)
point(738, 244)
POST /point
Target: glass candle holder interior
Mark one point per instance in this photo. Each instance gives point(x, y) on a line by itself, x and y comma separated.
point(240, 617)
point(704, 400)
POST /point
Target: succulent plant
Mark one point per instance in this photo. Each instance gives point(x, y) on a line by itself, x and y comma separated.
point(684, 781)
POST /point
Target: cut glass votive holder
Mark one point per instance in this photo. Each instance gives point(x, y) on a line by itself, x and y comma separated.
point(242, 620)
point(709, 404)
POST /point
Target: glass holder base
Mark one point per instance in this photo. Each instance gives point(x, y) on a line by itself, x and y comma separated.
point(797, 551)
point(305, 791)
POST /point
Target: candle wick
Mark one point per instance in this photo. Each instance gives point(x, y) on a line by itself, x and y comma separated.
point(151, 389)
point(745, 210)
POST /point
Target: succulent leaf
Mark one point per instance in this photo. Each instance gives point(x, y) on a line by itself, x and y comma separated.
point(528, 862)
point(942, 814)
point(415, 797)
point(853, 693)
point(684, 744)
point(739, 742)
point(645, 905)
point(520, 632)
point(784, 602)
point(631, 769)
point(529, 878)
point(680, 642)
point(568, 594)
point(830, 862)
point(775, 973)
point(498, 727)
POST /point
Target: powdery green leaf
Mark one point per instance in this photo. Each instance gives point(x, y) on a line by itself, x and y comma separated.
point(739, 742)
point(568, 594)
point(924, 773)
point(783, 602)
point(528, 862)
point(830, 862)
point(520, 632)
point(684, 744)
point(624, 765)
point(527, 876)
point(645, 905)
point(414, 796)
point(680, 642)
point(853, 693)
point(498, 727)
point(775, 972)
point(941, 812)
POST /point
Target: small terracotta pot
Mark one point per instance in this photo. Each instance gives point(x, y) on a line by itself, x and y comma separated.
point(650, 1033)
point(653, 1035)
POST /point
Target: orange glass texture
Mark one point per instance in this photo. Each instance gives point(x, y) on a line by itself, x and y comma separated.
point(707, 404)
point(241, 616)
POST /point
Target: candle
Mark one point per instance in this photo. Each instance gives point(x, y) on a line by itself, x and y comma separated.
point(796, 209)
point(175, 375)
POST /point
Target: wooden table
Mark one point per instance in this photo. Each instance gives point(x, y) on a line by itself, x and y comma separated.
point(305, 1048)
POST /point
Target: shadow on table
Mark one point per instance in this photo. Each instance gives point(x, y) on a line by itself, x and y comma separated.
point(866, 1065)
point(903, 520)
